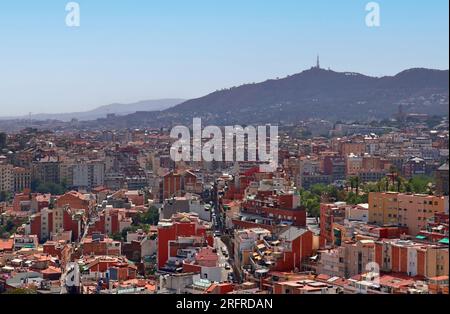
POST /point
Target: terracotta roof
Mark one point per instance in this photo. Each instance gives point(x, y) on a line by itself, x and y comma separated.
point(6, 245)
point(395, 282)
point(323, 277)
point(51, 270)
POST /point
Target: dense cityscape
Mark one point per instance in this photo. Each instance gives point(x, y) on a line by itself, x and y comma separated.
point(353, 208)
point(224, 156)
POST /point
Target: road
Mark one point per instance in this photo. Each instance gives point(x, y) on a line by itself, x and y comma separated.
point(223, 260)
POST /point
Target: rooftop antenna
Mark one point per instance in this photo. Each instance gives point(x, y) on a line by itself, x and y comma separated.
point(318, 61)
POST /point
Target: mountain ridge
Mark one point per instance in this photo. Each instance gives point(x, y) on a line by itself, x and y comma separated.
point(102, 111)
point(317, 93)
point(313, 93)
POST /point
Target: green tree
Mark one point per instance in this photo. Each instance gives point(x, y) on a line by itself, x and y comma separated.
point(52, 188)
point(4, 196)
point(311, 202)
point(149, 217)
point(421, 184)
point(117, 236)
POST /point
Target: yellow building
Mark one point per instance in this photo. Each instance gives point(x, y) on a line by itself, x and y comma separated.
point(407, 210)
point(383, 208)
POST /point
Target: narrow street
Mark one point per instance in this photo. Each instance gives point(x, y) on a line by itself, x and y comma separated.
point(223, 259)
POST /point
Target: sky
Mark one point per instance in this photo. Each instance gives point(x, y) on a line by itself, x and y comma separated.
point(130, 50)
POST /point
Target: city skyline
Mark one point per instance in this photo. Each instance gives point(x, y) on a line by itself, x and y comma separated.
point(222, 155)
point(126, 53)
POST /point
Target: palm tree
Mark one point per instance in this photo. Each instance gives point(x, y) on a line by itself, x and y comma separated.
point(384, 182)
point(399, 184)
point(357, 185)
point(354, 183)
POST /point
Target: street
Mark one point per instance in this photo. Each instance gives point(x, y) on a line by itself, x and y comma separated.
point(223, 259)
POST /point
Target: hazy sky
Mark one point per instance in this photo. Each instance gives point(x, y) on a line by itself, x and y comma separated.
point(125, 51)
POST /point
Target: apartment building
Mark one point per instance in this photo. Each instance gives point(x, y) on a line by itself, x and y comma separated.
point(407, 210)
point(21, 179)
point(350, 259)
point(412, 258)
point(46, 170)
point(87, 175)
point(6, 177)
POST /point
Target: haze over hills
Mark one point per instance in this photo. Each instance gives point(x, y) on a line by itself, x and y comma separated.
point(314, 93)
point(100, 112)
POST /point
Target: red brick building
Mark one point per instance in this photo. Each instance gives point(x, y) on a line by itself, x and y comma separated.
point(75, 200)
point(99, 245)
point(176, 183)
point(181, 225)
point(269, 211)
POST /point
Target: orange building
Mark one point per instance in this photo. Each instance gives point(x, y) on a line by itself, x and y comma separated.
point(407, 210)
point(347, 148)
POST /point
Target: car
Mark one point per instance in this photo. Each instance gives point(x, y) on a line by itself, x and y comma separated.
point(227, 267)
